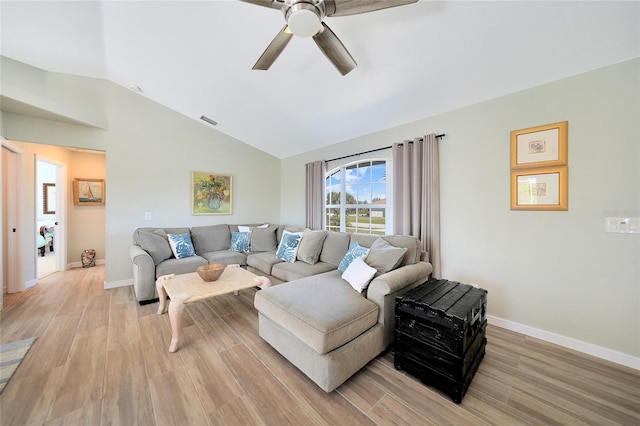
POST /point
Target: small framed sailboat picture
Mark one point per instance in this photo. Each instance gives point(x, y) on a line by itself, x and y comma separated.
point(88, 192)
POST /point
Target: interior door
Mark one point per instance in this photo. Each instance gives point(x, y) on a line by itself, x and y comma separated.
point(52, 171)
point(11, 261)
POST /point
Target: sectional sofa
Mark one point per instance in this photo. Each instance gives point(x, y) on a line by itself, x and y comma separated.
point(331, 308)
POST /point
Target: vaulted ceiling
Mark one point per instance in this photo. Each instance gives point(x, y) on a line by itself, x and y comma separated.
point(414, 61)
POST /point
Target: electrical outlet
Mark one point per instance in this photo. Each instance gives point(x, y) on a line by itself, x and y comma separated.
point(147, 215)
point(623, 225)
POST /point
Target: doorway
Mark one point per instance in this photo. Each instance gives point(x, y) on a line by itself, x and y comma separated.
point(46, 220)
point(50, 193)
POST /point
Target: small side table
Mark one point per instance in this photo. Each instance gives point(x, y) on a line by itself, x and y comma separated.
point(440, 334)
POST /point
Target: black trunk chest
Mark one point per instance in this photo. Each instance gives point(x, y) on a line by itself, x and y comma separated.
point(440, 334)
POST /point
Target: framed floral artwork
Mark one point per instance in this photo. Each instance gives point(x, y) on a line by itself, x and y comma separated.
point(539, 189)
point(541, 146)
point(211, 193)
point(88, 192)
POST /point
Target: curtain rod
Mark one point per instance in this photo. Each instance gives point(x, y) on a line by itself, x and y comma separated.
point(373, 150)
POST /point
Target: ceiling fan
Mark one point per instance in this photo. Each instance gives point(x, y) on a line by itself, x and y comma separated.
point(305, 19)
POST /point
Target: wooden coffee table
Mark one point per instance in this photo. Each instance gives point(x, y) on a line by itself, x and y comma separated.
point(187, 288)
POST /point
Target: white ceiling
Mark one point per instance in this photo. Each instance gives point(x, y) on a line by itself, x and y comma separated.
point(414, 61)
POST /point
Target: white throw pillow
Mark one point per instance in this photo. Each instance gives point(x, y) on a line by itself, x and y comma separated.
point(358, 274)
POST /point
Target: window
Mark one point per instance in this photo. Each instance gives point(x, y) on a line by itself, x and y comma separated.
point(356, 198)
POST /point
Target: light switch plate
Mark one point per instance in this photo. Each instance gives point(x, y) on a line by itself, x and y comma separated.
point(623, 225)
point(147, 215)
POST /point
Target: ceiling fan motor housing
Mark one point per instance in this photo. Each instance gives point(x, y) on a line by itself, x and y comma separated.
point(304, 18)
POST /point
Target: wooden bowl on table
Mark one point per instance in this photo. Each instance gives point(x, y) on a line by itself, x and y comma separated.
point(211, 272)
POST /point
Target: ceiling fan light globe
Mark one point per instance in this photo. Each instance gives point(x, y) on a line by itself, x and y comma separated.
point(304, 22)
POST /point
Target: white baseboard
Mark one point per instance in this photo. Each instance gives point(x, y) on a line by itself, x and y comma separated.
point(568, 342)
point(79, 264)
point(30, 284)
point(116, 284)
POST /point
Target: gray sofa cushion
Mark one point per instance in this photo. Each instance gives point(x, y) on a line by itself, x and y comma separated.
point(293, 228)
point(264, 239)
point(160, 231)
point(226, 257)
point(311, 246)
point(175, 230)
point(211, 238)
point(286, 271)
point(414, 248)
point(335, 246)
point(364, 240)
point(156, 244)
point(179, 266)
point(263, 262)
point(413, 245)
point(335, 315)
point(384, 257)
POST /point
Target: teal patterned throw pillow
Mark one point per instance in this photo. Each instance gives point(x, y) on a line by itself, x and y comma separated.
point(181, 245)
point(354, 251)
point(240, 241)
point(288, 248)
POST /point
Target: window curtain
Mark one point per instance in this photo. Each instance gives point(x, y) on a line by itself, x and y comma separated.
point(315, 195)
point(416, 192)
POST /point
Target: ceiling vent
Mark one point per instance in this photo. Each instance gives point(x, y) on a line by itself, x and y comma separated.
point(208, 120)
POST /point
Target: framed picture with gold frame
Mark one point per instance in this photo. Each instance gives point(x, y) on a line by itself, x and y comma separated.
point(543, 188)
point(541, 146)
point(88, 192)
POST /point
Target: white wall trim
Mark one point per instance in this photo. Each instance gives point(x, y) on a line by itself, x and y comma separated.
point(568, 342)
point(29, 284)
point(116, 284)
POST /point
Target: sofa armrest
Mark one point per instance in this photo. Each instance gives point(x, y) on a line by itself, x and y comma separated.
point(144, 274)
point(384, 289)
point(398, 279)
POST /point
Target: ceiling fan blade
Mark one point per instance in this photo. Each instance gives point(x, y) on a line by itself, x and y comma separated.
point(334, 50)
point(274, 49)
point(271, 4)
point(353, 7)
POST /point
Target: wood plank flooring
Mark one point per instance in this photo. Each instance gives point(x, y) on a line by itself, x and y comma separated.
point(101, 359)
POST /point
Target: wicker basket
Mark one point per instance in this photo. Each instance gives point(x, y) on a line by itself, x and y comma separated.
point(210, 272)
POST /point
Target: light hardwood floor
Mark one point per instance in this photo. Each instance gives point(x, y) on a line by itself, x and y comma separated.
point(100, 359)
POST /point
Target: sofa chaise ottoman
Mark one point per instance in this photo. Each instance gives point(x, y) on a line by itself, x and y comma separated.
point(328, 329)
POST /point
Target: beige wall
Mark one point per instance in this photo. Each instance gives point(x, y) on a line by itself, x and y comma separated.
point(553, 271)
point(85, 224)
